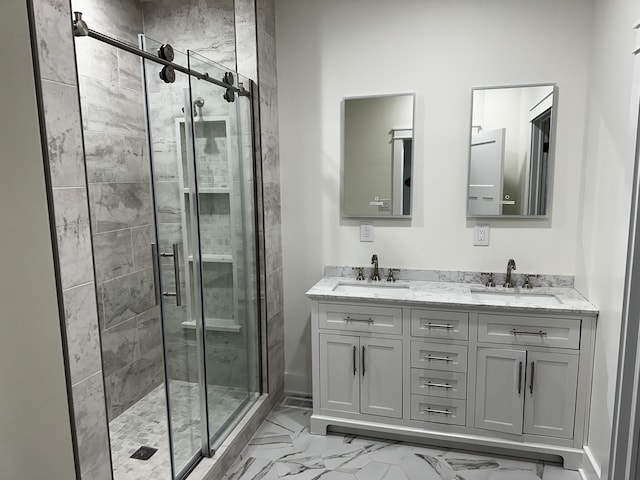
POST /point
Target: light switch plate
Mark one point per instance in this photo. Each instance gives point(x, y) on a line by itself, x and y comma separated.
point(481, 235)
point(366, 232)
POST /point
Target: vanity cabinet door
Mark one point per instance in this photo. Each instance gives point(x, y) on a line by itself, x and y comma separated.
point(381, 377)
point(549, 407)
point(500, 389)
point(339, 373)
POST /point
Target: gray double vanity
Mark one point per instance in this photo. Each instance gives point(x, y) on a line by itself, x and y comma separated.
point(446, 358)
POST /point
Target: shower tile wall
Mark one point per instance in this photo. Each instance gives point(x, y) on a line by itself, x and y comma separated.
point(120, 204)
point(55, 53)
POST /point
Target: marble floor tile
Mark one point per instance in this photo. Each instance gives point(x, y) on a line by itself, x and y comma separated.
point(283, 449)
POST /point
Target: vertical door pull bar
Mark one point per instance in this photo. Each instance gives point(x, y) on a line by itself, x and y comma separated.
point(363, 360)
point(531, 384)
point(520, 379)
point(154, 261)
point(354, 360)
point(176, 274)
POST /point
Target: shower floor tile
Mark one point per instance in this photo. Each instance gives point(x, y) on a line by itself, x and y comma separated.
point(145, 424)
point(283, 448)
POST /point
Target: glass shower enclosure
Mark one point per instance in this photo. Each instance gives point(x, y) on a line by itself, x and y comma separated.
point(170, 168)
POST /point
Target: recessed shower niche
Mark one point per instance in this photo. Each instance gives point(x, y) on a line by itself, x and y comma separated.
point(170, 170)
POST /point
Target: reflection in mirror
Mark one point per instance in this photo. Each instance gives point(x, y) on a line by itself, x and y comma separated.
point(377, 156)
point(510, 151)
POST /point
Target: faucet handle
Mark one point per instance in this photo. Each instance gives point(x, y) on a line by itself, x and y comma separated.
point(390, 277)
point(527, 280)
point(490, 282)
point(359, 272)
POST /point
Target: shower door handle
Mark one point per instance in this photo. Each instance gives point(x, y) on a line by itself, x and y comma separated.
point(176, 273)
point(154, 262)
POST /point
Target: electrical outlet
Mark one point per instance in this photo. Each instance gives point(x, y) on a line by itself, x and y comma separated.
point(481, 235)
point(366, 232)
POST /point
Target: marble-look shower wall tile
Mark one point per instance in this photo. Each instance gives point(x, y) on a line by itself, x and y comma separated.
point(227, 366)
point(64, 135)
point(91, 423)
point(111, 109)
point(168, 206)
point(54, 34)
point(270, 158)
point(117, 18)
point(268, 110)
point(120, 346)
point(127, 296)
point(142, 238)
point(267, 49)
point(273, 246)
point(149, 330)
point(129, 70)
point(272, 212)
point(74, 239)
point(245, 13)
point(274, 293)
point(101, 471)
point(266, 19)
point(82, 331)
point(97, 60)
point(104, 156)
point(120, 205)
point(182, 361)
point(133, 382)
point(275, 351)
point(113, 256)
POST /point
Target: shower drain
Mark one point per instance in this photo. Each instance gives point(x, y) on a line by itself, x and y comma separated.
point(144, 453)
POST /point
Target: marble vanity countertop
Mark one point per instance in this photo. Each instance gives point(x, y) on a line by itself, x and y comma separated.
point(433, 293)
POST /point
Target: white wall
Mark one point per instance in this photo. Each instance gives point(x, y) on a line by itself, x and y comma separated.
point(440, 50)
point(605, 201)
point(35, 438)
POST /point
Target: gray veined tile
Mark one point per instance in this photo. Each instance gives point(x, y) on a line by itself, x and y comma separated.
point(120, 205)
point(120, 346)
point(395, 473)
point(96, 60)
point(128, 296)
point(373, 471)
point(113, 255)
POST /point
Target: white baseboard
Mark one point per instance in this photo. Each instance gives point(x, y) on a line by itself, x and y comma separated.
point(590, 469)
point(297, 384)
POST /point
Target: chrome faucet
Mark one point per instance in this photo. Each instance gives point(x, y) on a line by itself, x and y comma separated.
point(376, 274)
point(511, 265)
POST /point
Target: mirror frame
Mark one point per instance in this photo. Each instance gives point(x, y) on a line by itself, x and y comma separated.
point(551, 159)
point(345, 215)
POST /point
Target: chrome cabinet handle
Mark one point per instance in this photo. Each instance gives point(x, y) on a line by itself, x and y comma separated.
point(364, 320)
point(531, 384)
point(436, 411)
point(441, 359)
point(354, 360)
point(539, 333)
point(176, 274)
point(363, 361)
point(520, 379)
point(438, 325)
point(437, 385)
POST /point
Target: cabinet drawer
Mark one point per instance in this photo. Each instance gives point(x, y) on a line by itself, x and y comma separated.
point(438, 410)
point(439, 384)
point(360, 318)
point(519, 330)
point(433, 356)
point(440, 324)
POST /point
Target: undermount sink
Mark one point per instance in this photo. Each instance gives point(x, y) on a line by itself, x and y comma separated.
point(506, 296)
point(369, 287)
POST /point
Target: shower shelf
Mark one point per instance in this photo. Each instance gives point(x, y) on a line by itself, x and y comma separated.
point(215, 324)
point(213, 258)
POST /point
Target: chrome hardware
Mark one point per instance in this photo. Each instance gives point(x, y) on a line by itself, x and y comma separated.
point(176, 273)
point(354, 359)
point(437, 325)
point(376, 274)
point(539, 333)
point(511, 265)
point(490, 282)
point(520, 379)
point(527, 280)
point(531, 384)
point(390, 277)
point(166, 52)
point(80, 28)
point(364, 320)
point(156, 277)
point(363, 360)
point(437, 385)
point(442, 359)
point(359, 272)
point(436, 411)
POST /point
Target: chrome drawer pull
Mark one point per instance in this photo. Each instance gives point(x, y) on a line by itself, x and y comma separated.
point(438, 412)
point(442, 359)
point(539, 333)
point(437, 325)
point(364, 320)
point(437, 385)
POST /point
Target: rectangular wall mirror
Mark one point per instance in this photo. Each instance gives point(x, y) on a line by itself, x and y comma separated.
point(511, 151)
point(377, 156)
